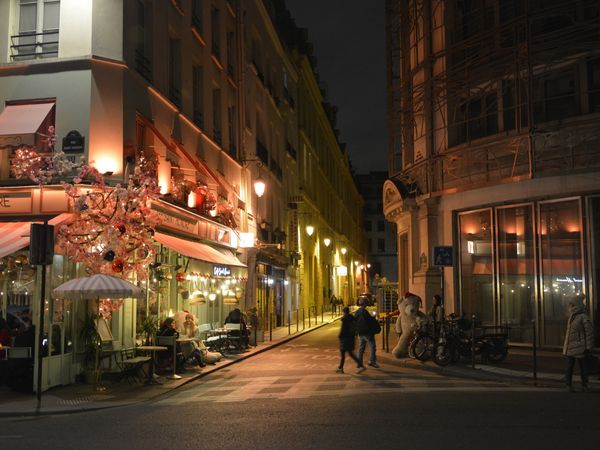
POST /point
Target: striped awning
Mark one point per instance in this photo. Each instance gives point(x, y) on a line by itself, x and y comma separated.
point(98, 286)
point(199, 251)
point(15, 235)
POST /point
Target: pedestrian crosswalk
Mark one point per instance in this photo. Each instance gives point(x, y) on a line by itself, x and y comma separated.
point(244, 388)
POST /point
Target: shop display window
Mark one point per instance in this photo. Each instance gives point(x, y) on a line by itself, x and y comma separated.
point(561, 263)
point(476, 265)
point(516, 270)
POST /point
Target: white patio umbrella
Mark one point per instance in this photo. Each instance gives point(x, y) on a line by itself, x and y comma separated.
point(96, 287)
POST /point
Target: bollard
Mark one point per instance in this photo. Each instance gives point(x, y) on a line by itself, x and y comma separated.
point(297, 319)
point(309, 325)
point(473, 341)
point(322, 308)
point(289, 322)
point(303, 320)
point(534, 352)
point(271, 327)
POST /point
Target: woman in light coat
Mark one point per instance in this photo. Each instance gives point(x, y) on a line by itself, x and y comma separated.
point(579, 340)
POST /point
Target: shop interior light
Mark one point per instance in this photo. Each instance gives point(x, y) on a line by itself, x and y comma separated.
point(310, 230)
point(327, 242)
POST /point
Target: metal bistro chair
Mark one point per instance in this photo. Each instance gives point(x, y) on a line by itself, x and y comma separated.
point(212, 342)
point(234, 335)
point(131, 365)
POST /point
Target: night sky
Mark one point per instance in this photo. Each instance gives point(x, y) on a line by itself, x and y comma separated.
point(349, 43)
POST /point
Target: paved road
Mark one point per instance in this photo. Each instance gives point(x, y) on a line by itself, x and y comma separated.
point(291, 398)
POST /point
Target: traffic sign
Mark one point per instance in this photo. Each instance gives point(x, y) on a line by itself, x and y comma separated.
point(443, 256)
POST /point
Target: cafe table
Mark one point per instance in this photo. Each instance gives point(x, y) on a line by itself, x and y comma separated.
point(151, 349)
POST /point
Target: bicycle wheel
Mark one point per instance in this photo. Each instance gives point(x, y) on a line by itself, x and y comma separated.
point(422, 347)
point(442, 355)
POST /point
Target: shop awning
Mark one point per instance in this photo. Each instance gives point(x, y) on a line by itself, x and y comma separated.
point(15, 235)
point(197, 250)
point(20, 123)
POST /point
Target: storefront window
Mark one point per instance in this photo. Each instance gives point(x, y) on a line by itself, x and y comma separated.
point(476, 265)
point(561, 264)
point(516, 270)
point(594, 209)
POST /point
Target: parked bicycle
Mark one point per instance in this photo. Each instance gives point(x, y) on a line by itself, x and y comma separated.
point(456, 341)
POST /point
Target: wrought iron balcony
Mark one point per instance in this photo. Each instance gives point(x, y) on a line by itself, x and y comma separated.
point(34, 45)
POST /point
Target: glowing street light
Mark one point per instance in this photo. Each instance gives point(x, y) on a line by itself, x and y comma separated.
point(310, 230)
point(327, 242)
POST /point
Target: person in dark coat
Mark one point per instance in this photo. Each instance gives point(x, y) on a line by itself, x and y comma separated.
point(366, 334)
point(347, 339)
point(579, 340)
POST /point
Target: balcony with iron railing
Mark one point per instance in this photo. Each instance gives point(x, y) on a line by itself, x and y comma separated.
point(291, 150)
point(198, 118)
point(143, 65)
point(276, 169)
point(33, 45)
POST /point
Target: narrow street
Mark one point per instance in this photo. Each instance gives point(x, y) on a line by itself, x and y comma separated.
point(290, 397)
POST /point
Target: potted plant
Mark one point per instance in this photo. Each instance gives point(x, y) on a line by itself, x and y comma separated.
point(149, 328)
point(92, 343)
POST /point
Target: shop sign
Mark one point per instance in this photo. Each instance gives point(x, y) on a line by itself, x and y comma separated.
point(221, 271)
point(341, 271)
point(15, 202)
point(174, 221)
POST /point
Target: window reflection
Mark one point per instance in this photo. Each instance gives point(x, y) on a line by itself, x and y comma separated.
point(476, 265)
point(560, 252)
point(516, 270)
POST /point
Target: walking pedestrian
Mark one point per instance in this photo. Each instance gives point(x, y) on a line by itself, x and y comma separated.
point(365, 326)
point(579, 340)
point(347, 338)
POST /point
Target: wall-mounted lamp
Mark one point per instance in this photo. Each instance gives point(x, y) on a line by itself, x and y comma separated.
point(310, 230)
point(327, 242)
point(259, 183)
point(344, 250)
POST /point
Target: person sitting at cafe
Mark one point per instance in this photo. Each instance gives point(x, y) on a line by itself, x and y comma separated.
point(167, 328)
point(191, 330)
point(5, 339)
point(236, 316)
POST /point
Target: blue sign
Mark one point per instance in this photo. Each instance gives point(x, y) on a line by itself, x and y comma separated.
point(221, 271)
point(443, 256)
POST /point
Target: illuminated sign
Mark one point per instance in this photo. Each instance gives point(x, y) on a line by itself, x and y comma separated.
point(221, 271)
point(342, 271)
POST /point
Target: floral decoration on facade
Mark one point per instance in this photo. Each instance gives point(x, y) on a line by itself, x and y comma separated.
point(112, 227)
point(28, 163)
point(107, 307)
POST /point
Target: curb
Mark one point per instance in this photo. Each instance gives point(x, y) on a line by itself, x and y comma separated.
point(282, 341)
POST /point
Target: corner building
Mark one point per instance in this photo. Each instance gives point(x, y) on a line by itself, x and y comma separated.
point(494, 146)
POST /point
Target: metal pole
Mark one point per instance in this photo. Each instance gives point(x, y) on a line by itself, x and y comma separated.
point(303, 321)
point(309, 308)
point(289, 322)
point(322, 307)
point(271, 327)
point(41, 320)
point(534, 351)
point(297, 319)
point(473, 341)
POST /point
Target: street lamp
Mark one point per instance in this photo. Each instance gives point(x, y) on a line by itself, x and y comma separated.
point(344, 250)
point(327, 242)
point(310, 230)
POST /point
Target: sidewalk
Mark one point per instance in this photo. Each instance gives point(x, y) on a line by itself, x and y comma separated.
point(82, 397)
point(517, 367)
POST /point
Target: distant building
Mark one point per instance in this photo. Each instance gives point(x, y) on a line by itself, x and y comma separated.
point(494, 120)
point(382, 251)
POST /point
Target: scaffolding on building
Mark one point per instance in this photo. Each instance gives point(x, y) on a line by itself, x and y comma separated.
point(461, 74)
